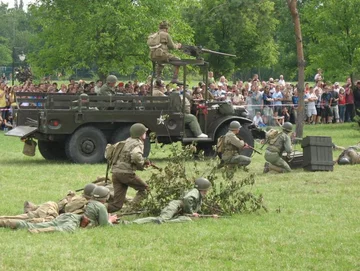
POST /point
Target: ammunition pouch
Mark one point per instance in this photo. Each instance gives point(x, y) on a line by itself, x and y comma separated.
point(159, 54)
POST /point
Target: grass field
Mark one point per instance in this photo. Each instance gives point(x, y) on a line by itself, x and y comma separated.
point(313, 221)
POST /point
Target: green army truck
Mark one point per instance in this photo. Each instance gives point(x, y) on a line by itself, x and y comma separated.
point(78, 127)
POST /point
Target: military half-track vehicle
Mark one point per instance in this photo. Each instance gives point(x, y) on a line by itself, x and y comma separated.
point(78, 127)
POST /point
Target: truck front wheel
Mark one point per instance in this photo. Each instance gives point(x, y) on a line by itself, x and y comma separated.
point(52, 150)
point(86, 146)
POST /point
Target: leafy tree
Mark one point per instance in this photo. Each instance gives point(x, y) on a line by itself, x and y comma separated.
point(333, 28)
point(109, 35)
point(241, 27)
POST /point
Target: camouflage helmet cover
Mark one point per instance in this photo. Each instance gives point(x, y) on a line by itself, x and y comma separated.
point(164, 25)
point(137, 130)
point(287, 126)
point(234, 125)
point(111, 79)
point(101, 193)
point(88, 190)
point(202, 184)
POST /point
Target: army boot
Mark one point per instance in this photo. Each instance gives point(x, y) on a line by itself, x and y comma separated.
point(266, 167)
point(8, 223)
point(29, 206)
point(275, 168)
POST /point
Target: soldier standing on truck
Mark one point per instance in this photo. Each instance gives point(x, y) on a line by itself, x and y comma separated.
point(109, 87)
point(190, 119)
point(233, 146)
point(278, 143)
point(123, 171)
point(159, 44)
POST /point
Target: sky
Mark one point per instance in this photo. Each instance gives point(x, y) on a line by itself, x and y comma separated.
point(11, 2)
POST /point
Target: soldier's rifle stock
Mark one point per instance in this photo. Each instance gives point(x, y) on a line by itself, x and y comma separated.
point(196, 51)
point(255, 150)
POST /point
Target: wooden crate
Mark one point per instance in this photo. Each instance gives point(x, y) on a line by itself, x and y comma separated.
point(317, 153)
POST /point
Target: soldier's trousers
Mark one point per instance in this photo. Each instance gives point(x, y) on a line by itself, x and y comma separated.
point(241, 160)
point(193, 124)
point(45, 212)
point(64, 223)
point(276, 162)
point(121, 182)
point(168, 214)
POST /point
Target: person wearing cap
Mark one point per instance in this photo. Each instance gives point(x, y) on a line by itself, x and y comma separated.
point(159, 44)
point(233, 147)
point(123, 171)
point(279, 142)
point(158, 90)
point(109, 87)
point(176, 210)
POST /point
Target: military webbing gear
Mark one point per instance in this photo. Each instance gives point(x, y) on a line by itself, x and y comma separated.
point(287, 127)
point(137, 130)
point(234, 125)
point(220, 144)
point(88, 190)
point(202, 184)
point(101, 193)
point(111, 79)
point(154, 40)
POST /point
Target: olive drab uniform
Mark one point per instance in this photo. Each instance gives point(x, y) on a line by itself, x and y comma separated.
point(273, 153)
point(232, 148)
point(42, 213)
point(64, 223)
point(97, 213)
point(349, 156)
point(123, 174)
point(173, 212)
point(159, 53)
point(190, 120)
point(106, 90)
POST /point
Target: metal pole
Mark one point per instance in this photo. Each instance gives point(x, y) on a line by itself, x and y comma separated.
point(13, 65)
point(183, 101)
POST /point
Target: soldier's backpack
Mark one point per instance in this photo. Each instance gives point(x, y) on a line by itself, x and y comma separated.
point(153, 40)
point(112, 152)
point(272, 136)
point(220, 145)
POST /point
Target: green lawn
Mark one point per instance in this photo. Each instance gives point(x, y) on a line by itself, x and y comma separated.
point(313, 221)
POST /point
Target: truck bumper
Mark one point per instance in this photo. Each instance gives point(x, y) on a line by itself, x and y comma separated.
point(22, 131)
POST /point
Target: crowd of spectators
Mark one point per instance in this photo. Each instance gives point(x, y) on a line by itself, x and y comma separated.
point(269, 103)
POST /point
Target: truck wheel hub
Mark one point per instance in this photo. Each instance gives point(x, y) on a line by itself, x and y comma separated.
point(87, 146)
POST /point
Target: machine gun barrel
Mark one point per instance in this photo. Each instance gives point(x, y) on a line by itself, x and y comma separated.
point(196, 51)
point(216, 53)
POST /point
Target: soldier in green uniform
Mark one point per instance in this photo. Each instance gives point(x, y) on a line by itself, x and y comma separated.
point(159, 44)
point(109, 87)
point(48, 211)
point(277, 145)
point(189, 204)
point(123, 171)
point(190, 120)
point(95, 215)
point(233, 147)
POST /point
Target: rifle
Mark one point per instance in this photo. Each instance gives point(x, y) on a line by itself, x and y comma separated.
point(155, 166)
point(196, 51)
point(130, 213)
point(207, 216)
point(255, 150)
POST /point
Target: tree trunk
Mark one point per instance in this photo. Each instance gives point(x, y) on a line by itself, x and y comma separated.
point(292, 4)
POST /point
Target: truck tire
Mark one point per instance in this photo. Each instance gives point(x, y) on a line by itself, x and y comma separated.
point(123, 133)
point(86, 146)
point(52, 150)
point(244, 134)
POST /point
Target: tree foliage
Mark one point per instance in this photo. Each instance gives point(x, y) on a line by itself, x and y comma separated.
point(109, 35)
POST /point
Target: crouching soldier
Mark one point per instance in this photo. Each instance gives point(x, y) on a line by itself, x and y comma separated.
point(95, 215)
point(233, 147)
point(278, 143)
point(176, 209)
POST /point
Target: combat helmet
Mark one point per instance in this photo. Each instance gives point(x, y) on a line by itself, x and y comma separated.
point(88, 190)
point(344, 161)
point(137, 130)
point(202, 184)
point(164, 25)
point(101, 193)
point(234, 125)
point(287, 127)
point(111, 79)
